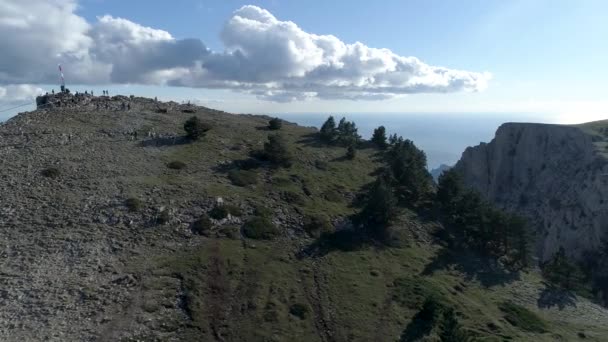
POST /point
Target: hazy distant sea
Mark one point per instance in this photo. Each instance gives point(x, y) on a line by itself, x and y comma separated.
point(442, 136)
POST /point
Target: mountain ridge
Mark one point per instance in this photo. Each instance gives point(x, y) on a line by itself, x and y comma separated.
point(103, 239)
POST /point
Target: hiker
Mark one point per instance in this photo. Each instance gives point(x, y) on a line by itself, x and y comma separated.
point(129, 106)
point(53, 91)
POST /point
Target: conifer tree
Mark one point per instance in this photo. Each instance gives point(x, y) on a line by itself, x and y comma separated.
point(277, 152)
point(328, 130)
point(379, 208)
point(379, 137)
point(450, 329)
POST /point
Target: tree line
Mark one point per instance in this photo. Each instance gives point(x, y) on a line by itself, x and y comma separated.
point(404, 181)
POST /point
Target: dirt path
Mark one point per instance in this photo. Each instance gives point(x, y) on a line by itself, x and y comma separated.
point(218, 288)
point(320, 301)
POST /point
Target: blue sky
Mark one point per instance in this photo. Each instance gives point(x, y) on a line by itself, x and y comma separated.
point(544, 56)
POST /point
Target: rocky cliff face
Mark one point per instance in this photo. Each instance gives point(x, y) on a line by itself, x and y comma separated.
point(554, 175)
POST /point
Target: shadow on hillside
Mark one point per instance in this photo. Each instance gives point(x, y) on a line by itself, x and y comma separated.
point(340, 159)
point(239, 164)
point(553, 296)
point(165, 141)
point(418, 327)
point(311, 140)
point(488, 272)
point(263, 128)
point(346, 240)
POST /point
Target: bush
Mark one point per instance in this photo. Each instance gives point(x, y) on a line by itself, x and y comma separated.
point(317, 225)
point(51, 172)
point(277, 152)
point(163, 217)
point(202, 226)
point(299, 310)
point(221, 212)
point(247, 164)
point(332, 196)
point(262, 211)
point(134, 204)
point(522, 318)
point(351, 152)
point(176, 165)
point(233, 210)
point(321, 165)
point(243, 177)
point(195, 129)
point(292, 197)
point(260, 228)
point(275, 124)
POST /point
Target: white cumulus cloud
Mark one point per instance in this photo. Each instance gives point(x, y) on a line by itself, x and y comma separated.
point(273, 59)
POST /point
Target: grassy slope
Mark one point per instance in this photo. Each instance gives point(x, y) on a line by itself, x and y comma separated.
point(233, 289)
point(242, 290)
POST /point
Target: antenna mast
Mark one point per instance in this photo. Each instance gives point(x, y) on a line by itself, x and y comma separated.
point(62, 79)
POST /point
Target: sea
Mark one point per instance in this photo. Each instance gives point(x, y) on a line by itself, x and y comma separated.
point(443, 137)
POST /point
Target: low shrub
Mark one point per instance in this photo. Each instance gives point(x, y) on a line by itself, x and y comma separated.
point(176, 165)
point(333, 196)
point(317, 225)
point(262, 211)
point(163, 217)
point(243, 177)
point(522, 318)
point(134, 204)
point(281, 181)
point(221, 211)
point(247, 164)
point(322, 165)
point(260, 228)
point(299, 310)
point(202, 226)
point(51, 172)
point(292, 197)
point(351, 152)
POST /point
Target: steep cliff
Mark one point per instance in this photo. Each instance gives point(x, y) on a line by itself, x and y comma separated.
point(555, 175)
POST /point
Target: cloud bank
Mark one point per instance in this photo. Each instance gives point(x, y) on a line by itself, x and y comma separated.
point(272, 59)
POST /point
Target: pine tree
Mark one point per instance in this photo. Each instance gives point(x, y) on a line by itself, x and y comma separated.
point(195, 128)
point(379, 137)
point(450, 329)
point(347, 133)
point(449, 190)
point(379, 208)
point(559, 270)
point(275, 124)
point(328, 130)
point(276, 151)
point(408, 166)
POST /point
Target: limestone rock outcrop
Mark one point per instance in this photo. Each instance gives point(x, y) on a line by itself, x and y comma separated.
point(554, 175)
